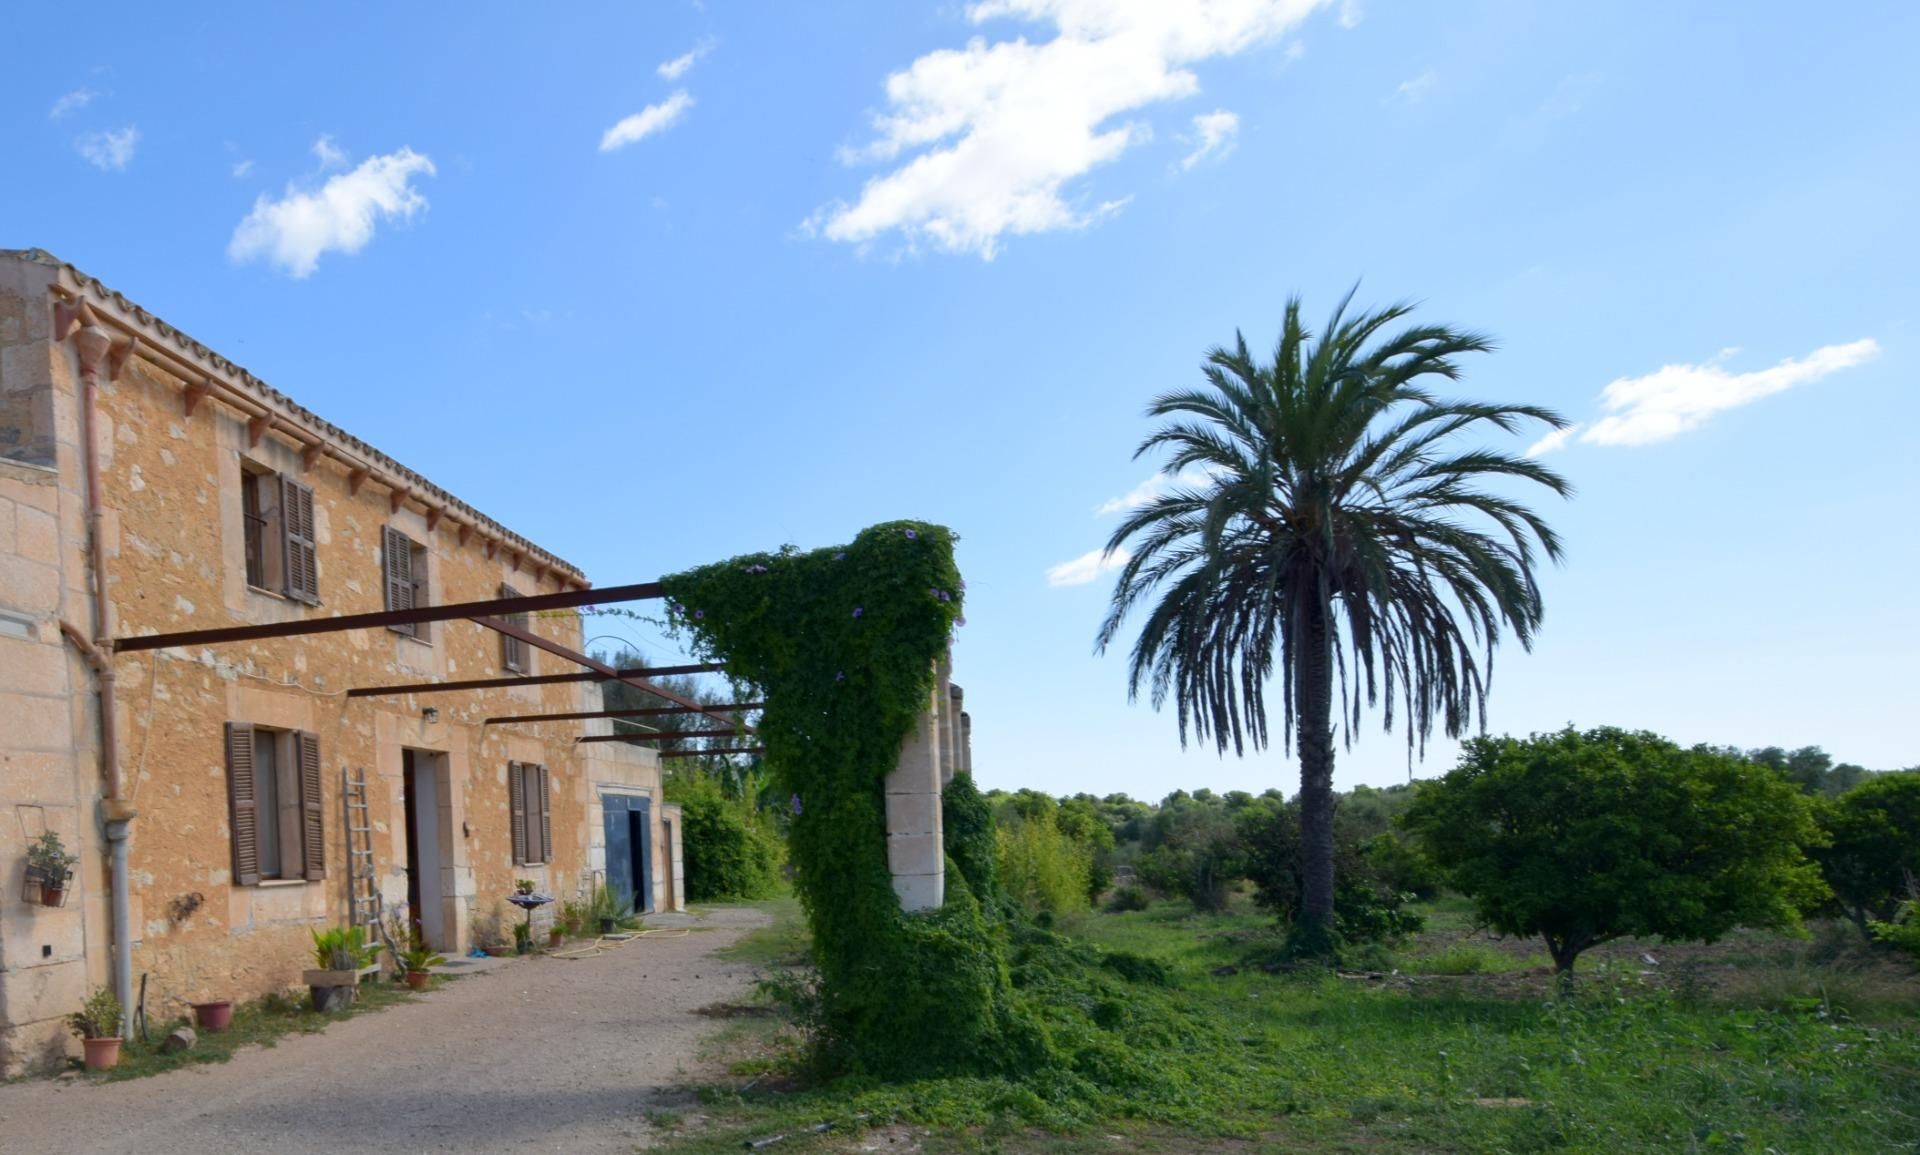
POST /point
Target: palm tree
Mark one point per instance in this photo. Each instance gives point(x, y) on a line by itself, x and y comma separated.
point(1321, 503)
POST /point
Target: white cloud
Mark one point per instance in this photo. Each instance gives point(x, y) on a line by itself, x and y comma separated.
point(1676, 398)
point(73, 101)
point(1086, 568)
point(1415, 90)
point(649, 120)
point(109, 151)
point(242, 170)
point(1351, 14)
point(1154, 487)
point(679, 66)
point(1219, 133)
point(993, 133)
point(329, 154)
point(339, 216)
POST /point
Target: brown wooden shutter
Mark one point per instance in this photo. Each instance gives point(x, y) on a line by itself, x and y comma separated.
point(513, 651)
point(313, 828)
point(546, 820)
point(301, 567)
point(397, 558)
point(243, 813)
point(517, 804)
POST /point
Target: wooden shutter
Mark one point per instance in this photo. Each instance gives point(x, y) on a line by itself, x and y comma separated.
point(397, 558)
point(243, 811)
point(517, 804)
point(546, 820)
point(301, 569)
point(513, 651)
point(313, 830)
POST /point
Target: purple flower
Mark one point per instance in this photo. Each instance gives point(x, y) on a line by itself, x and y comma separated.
point(796, 805)
point(961, 620)
point(841, 556)
point(963, 583)
point(698, 614)
point(911, 535)
point(944, 597)
point(858, 610)
point(756, 569)
point(841, 676)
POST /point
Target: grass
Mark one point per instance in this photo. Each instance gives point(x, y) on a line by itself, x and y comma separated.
point(256, 1024)
point(1750, 1046)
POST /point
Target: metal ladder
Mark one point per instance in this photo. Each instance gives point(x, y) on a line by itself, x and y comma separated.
point(363, 887)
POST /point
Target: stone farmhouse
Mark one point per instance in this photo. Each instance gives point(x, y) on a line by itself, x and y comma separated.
point(211, 793)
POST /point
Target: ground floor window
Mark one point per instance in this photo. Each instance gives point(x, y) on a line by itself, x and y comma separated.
point(275, 805)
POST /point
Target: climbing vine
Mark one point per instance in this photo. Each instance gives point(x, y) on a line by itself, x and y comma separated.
point(841, 643)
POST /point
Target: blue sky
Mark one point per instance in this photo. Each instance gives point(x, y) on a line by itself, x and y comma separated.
point(658, 284)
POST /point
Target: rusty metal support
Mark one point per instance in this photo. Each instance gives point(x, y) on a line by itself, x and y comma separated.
point(650, 712)
point(595, 664)
point(631, 738)
point(443, 613)
point(681, 735)
point(537, 680)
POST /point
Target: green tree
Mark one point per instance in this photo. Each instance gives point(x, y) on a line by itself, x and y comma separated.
point(1327, 511)
point(1874, 851)
point(1582, 838)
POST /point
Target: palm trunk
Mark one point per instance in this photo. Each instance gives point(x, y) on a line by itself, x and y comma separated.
point(1313, 702)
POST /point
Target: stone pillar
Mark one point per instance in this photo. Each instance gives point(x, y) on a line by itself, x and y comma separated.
point(916, 855)
point(950, 761)
point(966, 743)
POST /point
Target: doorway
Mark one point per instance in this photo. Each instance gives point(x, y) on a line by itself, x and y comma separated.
point(629, 850)
point(422, 788)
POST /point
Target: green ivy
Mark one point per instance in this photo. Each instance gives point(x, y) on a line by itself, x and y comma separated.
point(841, 644)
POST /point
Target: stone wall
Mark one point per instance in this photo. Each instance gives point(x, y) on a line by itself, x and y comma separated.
point(175, 559)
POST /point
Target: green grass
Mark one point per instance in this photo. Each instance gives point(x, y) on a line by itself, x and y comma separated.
point(256, 1024)
point(1469, 1056)
point(783, 943)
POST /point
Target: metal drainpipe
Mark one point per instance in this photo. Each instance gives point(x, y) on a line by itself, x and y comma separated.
point(93, 345)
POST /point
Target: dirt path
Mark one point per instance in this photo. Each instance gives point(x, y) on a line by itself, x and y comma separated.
point(541, 1055)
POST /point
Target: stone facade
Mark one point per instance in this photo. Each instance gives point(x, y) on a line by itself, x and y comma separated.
point(175, 455)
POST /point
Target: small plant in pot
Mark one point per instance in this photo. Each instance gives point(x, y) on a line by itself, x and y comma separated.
point(48, 860)
point(556, 935)
point(419, 959)
point(524, 885)
point(338, 953)
point(522, 939)
point(97, 1022)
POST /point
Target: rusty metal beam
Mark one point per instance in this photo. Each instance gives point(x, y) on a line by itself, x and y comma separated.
point(443, 613)
point(537, 680)
point(631, 738)
point(650, 712)
point(681, 735)
point(596, 665)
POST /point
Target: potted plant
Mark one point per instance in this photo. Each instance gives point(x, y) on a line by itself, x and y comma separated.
point(48, 861)
point(556, 934)
point(213, 1017)
point(339, 952)
point(522, 938)
point(418, 959)
point(97, 1022)
point(524, 885)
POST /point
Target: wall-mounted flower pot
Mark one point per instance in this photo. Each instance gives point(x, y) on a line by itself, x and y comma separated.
point(53, 896)
point(213, 1017)
point(418, 980)
point(102, 1054)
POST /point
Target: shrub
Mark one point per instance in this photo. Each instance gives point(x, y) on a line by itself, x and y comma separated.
point(1582, 838)
point(1369, 904)
point(1128, 898)
point(968, 835)
point(727, 850)
point(1041, 868)
point(1873, 833)
point(1198, 854)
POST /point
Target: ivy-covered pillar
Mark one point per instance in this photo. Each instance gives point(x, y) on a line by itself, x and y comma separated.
point(916, 856)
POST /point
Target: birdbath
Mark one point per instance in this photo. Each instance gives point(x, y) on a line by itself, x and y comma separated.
point(528, 902)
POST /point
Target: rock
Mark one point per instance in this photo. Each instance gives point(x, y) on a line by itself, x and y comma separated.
point(179, 1039)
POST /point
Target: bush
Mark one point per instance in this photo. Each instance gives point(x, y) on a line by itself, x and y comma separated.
point(1197, 853)
point(727, 851)
point(1873, 849)
point(1128, 898)
point(968, 836)
point(1040, 867)
point(1369, 902)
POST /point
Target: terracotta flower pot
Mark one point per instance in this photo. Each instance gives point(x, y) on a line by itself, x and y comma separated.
point(102, 1054)
point(213, 1017)
point(418, 980)
point(555, 937)
point(52, 895)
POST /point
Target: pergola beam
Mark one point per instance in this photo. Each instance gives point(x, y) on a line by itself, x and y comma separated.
point(597, 666)
point(649, 712)
point(631, 738)
point(536, 603)
point(535, 680)
point(677, 735)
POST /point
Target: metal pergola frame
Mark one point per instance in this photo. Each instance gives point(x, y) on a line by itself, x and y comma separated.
point(491, 614)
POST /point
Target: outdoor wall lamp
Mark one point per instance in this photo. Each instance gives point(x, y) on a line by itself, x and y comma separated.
point(431, 713)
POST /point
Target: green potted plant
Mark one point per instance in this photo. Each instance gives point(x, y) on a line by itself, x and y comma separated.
point(419, 959)
point(49, 862)
point(556, 934)
point(524, 885)
point(340, 953)
point(97, 1022)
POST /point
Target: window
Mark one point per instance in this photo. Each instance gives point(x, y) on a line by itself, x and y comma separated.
point(532, 822)
point(513, 651)
point(275, 805)
point(276, 516)
point(405, 561)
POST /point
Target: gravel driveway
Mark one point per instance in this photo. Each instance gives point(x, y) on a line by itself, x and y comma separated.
point(541, 1054)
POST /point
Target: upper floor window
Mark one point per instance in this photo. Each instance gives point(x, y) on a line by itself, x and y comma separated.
point(514, 657)
point(405, 563)
point(276, 514)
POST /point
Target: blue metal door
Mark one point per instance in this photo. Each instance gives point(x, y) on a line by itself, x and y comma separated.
point(629, 850)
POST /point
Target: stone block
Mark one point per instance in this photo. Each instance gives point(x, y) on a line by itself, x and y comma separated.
point(28, 586)
point(30, 667)
point(913, 814)
point(37, 1048)
point(45, 992)
point(39, 777)
point(920, 891)
point(37, 536)
point(914, 853)
point(179, 1039)
point(34, 723)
